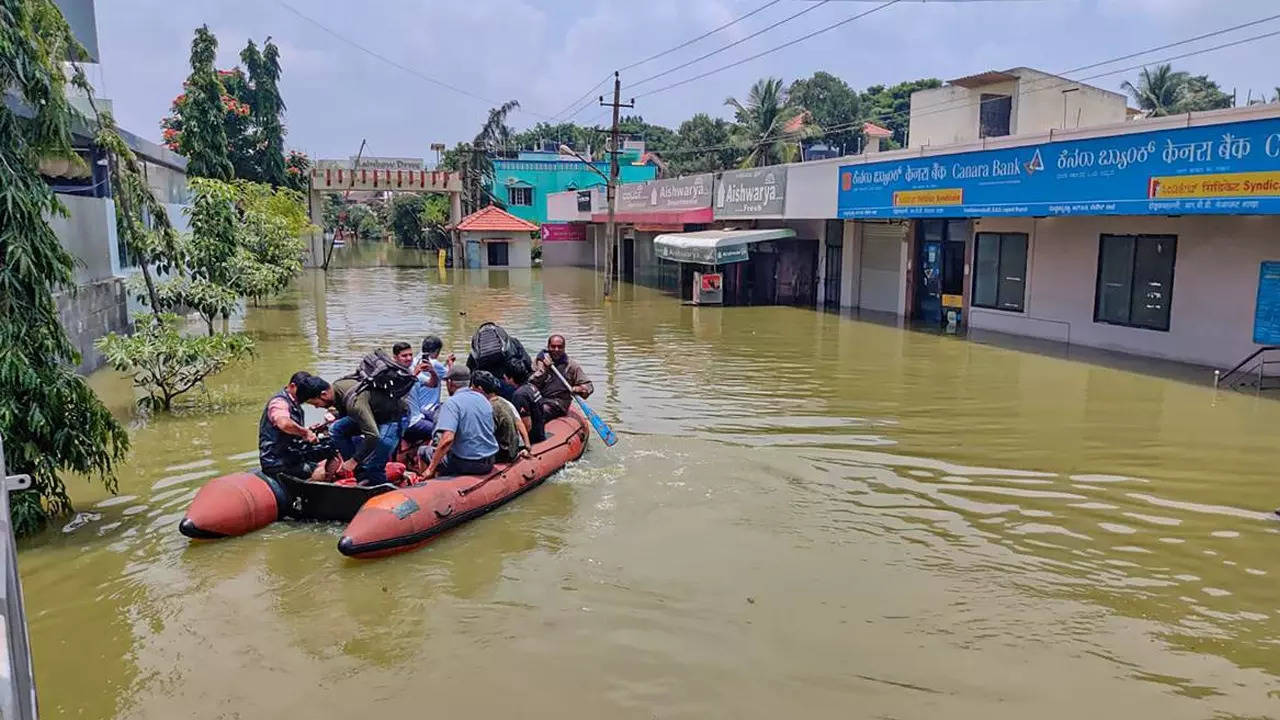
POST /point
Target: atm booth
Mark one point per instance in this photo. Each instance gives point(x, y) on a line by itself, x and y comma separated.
point(735, 267)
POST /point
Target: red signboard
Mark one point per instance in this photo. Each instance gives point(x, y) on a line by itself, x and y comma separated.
point(711, 282)
point(564, 232)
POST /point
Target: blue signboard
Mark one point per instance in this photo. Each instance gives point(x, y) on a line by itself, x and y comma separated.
point(1232, 168)
point(1266, 314)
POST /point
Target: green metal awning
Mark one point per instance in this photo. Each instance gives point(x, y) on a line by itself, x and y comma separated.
point(713, 247)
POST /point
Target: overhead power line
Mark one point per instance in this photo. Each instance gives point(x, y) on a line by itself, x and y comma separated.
point(1058, 83)
point(583, 96)
point(735, 43)
point(393, 63)
point(657, 55)
point(774, 49)
point(704, 35)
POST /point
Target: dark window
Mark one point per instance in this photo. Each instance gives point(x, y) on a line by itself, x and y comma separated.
point(1000, 271)
point(520, 195)
point(993, 120)
point(1135, 280)
point(498, 253)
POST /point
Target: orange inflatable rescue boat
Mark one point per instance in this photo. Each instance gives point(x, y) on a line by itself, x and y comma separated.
point(384, 519)
point(406, 518)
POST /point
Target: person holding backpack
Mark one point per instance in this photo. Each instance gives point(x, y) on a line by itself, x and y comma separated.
point(370, 404)
point(493, 349)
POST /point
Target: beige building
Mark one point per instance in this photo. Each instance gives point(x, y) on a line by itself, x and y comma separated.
point(1018, 101)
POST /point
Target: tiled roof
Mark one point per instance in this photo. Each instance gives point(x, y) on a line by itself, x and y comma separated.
point(495, 219)
point(875, 130)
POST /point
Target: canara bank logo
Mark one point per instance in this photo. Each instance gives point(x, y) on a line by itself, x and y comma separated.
point(846, 181)
point(1035, 164)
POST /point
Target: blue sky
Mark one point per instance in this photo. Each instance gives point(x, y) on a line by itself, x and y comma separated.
point(547, 53)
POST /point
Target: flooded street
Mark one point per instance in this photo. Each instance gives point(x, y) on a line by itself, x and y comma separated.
point(807, 515)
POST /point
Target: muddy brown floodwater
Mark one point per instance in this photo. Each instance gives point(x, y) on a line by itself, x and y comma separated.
point(808, 516)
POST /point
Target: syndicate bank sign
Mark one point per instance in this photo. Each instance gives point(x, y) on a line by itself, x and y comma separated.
point(745, 193)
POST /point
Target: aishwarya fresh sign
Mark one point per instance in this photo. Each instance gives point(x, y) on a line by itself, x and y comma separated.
point(1232, 168)
point(744, 193)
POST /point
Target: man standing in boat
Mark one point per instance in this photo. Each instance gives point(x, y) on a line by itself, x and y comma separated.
point(556, 395)
point(424, 399)
point(280, 428)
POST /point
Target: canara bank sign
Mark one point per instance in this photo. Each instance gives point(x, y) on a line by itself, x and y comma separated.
point(1232, 168)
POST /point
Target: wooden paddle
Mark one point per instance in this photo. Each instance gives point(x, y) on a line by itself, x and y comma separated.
point(601, 427)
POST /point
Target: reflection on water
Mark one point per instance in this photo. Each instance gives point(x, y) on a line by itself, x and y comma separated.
point(807, 513)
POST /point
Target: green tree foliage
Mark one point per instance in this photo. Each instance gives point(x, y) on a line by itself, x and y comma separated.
point(1165, 91)
point(702, 145)
point(203, 137)
point(244, 243)
point(833, 105)
point(1201, 93)
point(890, 107)
point(251, 110)
point(435, 221)
point(475, 161)
point(581, 139)
point(296, 167)
point(51, 421)
point(165, 363)
point(768, 128)
point(270, 224)
point(1159, 91)
point(656, 137)
point(406, 220)
point(267, 106)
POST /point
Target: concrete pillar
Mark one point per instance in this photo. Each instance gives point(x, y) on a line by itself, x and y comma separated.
point(315, 241)
point(455, 216)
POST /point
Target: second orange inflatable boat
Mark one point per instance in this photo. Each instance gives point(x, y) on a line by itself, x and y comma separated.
point(407, 518)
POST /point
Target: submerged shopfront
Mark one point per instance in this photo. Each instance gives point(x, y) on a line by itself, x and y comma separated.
point(1149, 239)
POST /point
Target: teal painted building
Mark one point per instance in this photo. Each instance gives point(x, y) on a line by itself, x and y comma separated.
point(524, 182)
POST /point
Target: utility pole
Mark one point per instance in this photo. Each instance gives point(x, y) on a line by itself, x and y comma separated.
point(351, 181)
point(610, 230)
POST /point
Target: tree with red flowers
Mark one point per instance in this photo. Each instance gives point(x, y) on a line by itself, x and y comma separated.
point(251, 109)
point(202, 136)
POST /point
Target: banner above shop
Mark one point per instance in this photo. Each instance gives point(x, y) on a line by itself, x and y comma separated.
point(750, 193)
point(683, 193)
point(1231, 168)
point(564, 232)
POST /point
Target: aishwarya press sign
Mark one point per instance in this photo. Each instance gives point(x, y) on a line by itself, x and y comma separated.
point(1229, 168)
point(751, 193)
point(683, 193)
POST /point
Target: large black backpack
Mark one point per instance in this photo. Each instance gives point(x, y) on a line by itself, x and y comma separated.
point(490, 346)
point(379, 371)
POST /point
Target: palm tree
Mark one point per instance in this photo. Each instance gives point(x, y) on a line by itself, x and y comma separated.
point(494, 135)
point(1158, 92)
point(768, 127)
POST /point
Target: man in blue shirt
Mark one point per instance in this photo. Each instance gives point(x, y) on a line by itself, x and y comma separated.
point(425, 396)
point(465, 442)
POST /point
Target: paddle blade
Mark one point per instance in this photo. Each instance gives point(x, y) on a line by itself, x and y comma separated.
point(602, 429)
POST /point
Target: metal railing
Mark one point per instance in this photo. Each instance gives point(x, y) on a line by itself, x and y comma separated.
point(17, 678)
point(1245, 374)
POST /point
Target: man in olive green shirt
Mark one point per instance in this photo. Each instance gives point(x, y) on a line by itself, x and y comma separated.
point(367, 430)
